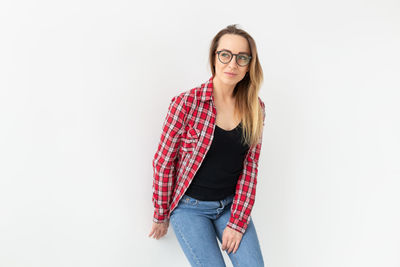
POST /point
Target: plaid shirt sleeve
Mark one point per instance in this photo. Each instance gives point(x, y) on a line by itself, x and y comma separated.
point(165, 157)
point(246, 187)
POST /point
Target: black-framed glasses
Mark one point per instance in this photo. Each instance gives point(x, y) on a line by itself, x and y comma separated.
point(226, 56)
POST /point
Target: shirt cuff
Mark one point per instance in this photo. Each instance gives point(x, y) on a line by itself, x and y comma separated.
point(238, 225)
point(160, 216)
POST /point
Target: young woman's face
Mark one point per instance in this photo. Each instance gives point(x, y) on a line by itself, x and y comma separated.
point(231, 73)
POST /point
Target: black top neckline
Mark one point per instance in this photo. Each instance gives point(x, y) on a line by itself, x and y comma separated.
point(229, 130)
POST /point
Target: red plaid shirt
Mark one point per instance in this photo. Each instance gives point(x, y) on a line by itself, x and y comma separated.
point(187, 133)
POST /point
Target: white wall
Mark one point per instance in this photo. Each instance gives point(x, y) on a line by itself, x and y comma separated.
point(84, 89)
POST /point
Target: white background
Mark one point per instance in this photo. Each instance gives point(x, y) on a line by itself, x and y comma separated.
point(85, 87)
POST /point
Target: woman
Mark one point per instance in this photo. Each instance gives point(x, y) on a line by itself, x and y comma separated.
point(205, 168)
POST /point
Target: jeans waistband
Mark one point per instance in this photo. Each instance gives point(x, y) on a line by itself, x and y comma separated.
point(212, 203)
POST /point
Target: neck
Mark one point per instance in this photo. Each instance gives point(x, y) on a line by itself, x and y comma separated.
point(222, 91)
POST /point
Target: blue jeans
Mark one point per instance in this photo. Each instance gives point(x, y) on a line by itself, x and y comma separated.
point(197, 225)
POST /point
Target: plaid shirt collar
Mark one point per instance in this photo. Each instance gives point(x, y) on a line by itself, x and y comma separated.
point(206, 91)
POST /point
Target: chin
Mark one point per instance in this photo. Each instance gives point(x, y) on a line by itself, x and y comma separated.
point(228, 80)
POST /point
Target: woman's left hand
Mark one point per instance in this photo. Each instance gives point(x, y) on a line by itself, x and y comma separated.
point(231, 239)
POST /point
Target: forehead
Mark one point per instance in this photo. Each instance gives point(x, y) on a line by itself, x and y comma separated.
point(233, 42)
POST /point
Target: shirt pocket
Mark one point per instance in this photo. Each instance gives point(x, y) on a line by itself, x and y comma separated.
point(190, 139)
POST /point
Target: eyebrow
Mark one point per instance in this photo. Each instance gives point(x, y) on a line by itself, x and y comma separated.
point(231, 51)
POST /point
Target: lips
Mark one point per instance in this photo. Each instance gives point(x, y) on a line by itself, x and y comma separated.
point(230, 74)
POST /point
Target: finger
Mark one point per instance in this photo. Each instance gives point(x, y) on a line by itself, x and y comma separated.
point(223, 245)
point(159, 234)
point(151, 232)
point(231, 246)
point(236, 247)
point(228, 245)
point(156, 234)
point(162, 233)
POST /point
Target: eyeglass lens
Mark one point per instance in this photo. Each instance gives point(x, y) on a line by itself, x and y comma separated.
point(226, 57)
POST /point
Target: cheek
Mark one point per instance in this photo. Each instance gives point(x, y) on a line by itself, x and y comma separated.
point(242, 75)
point(217, 64)
point(219, 67)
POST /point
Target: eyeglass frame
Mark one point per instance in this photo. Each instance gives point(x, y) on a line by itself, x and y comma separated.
point(236, 59)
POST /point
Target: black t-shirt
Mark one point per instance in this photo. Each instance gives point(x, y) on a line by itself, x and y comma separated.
point(219, 172)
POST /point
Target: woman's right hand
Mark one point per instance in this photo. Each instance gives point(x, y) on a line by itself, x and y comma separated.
point(158, 230)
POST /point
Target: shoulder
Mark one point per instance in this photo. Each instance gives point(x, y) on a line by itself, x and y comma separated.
point(187, 98)
point(261, 103)
point(184, 97)
point(262, 108)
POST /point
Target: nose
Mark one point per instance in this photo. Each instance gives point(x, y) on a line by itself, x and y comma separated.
point(233, 63)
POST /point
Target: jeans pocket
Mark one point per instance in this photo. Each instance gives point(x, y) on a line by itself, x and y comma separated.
point(189, 200)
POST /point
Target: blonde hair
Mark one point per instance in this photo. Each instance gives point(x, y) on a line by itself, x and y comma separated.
point(246, 91)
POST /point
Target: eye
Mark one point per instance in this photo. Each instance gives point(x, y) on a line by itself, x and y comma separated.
point(243, 57)
point(225, 54)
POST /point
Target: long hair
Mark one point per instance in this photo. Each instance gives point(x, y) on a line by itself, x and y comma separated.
point(246, 91)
